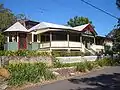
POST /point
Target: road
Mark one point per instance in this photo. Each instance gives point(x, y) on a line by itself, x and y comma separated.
point(105, 79)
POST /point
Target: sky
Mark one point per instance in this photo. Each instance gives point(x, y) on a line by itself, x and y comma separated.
point(60, 11)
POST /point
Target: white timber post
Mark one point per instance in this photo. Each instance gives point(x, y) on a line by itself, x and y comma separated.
point(32, 37)
point(68, 39)
point(8, 37)
point(50, 41)
point(38, 38)
point(81, 40)
point(17, 38)
point(94, 40)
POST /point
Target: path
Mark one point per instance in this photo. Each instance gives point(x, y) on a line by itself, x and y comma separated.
point(106, 79)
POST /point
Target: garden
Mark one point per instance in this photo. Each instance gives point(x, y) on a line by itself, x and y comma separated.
point(25, 73)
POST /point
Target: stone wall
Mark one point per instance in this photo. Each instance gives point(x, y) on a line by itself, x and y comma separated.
point(76, 59)
point(4, 60)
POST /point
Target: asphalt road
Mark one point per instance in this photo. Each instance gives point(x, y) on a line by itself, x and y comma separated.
point(106, 79)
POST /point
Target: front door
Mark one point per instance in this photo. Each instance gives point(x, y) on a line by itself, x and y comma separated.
point(22, 41)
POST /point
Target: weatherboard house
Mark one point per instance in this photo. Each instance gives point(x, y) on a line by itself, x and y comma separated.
point(49, 37)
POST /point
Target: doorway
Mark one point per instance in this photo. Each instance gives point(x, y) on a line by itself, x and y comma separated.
point(22, 44)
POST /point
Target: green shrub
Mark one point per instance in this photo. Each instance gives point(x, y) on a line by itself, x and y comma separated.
point(87, 54)
point(81, 67)
point(23, 53)
point(105, 62)
point(57, 64)
point(28, 72)
point(89, 65)
point(66, 53)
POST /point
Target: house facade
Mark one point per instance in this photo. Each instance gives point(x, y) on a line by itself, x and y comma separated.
point(49, 37)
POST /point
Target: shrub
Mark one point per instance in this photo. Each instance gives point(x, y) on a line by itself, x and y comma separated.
point(89, 65)
point(66, 53)
point(28, 72)
point(87, 54)
point(105, 62)
point(23, 53)
point(81, 67)
point(57, 64)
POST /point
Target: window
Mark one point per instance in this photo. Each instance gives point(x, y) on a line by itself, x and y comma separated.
point(12, 38)
point(59, 36)
point(35, 38)
point(74, 37)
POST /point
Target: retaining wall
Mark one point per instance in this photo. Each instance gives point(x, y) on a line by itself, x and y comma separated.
point(75, 59)
point(4, 60)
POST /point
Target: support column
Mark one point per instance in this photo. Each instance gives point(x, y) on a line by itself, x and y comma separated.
point(94, 41)
point(32, 37)
point(68, 39)
point(8, 37)
point(17, 38)
point(38, 38)
point(50, 40)
point(81, 40)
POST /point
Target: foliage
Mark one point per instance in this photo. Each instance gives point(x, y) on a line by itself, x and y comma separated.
point(7, 18)
point(21, 17)
point(108, 50)
point(66, 53)
point(1, 41)
point(87, 54)
point(115, 35)
point(118, 3)
point(28, 72)
point(81, 67)
point(84, 66)
point(77, 21)
point(23, 53)
point(107, 62)
point(57, 64)
point(87, 65)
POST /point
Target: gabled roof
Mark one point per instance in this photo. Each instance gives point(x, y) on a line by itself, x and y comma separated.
point(80, 28)
point(44, 25)
point(16, 27)
point(85, 27)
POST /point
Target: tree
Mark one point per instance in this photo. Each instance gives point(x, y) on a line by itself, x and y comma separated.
point(1, 41)
point(115, 33)
point(21, 17)
point(7, 18)
point(118, 3)
point(77, 21)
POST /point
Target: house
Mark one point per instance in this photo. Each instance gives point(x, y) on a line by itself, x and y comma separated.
point(49, 37)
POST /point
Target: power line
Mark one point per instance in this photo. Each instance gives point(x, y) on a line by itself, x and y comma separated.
point(101, 10)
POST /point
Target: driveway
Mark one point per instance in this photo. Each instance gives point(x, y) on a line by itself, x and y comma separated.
point(105, 79)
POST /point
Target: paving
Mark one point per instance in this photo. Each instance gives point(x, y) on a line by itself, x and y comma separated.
point(105, 79)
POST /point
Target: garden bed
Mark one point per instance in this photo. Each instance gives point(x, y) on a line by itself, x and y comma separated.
point(59, 71)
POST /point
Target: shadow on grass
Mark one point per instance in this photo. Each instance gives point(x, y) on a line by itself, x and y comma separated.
point(102, 82)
